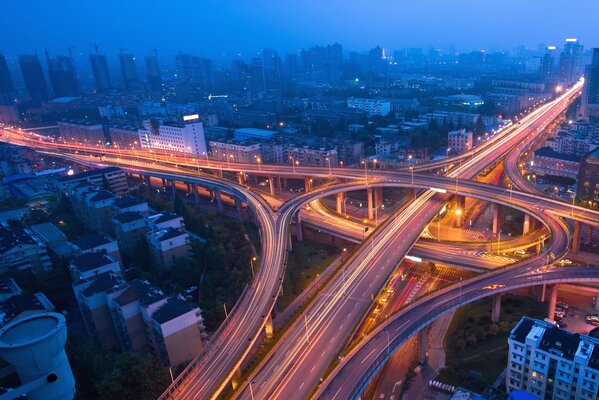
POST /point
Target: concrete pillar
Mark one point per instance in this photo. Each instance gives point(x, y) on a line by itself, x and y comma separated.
point(526, 227)
point(271, 185)
point(576, 237)
point(219, 200)
point(423, 345)
point(543, 293)
point(218, 173)
point(461, 202)
point(238, 206)
point(298, 228)
point(538, 247)
point(173, 188)
point(148, 180)
point(552, 300)
point(496, 312)
point(308, 185)
point(241, 178)
point(460, 205)
point(340, 200)
point(370, 207)
point(189, 188)
point(196, 195)
point(378, 196)
point(280, 183)
point(236, 379)
point(496, 219)
point(164, 182)
point(590, 234)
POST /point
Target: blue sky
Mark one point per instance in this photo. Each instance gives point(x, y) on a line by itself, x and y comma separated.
point(208, 27)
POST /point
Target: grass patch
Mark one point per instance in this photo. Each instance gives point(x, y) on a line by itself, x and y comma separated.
point(306, 260)
point(476, 348)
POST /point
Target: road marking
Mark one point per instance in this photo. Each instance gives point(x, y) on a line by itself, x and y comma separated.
point(302, 385)
point(369, 354)
point(312, 370)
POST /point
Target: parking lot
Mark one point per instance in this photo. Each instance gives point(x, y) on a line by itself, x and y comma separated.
point(580, 304)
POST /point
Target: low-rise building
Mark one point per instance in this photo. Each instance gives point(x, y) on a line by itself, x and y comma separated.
point(168, 245)
point(236, 151)
point(166, 219)
point(130, 229)
point(20, 251)
point(22, 305)
point(89, 265)
point(130, 204)
point(549, 162)
point(459, 141)
point(53, 238)
point(370, 106)
point(113, 176)
point(552, 363)
point(84, 132)
point(93, 206)
point(8, 288)
point(242, 134)
point(97, 243)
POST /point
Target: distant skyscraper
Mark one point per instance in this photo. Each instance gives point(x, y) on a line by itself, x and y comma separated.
point(100, 70)
point(7, 89)
point(195, 70)
point(570, 62)
point(63, 76)
point(128, 68)
point(153, 73)
point(589, 106)
point(547, 64)
point(34, 77)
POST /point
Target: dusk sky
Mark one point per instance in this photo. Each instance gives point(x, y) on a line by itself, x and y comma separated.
point(212, 27)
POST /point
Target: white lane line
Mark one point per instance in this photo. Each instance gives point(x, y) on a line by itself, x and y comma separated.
point(369, 354)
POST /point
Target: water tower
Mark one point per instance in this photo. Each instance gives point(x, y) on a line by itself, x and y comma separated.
point(34, 346)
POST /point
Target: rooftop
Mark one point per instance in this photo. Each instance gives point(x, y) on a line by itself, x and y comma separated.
point(21, 303)
point(128, 201)
point(92, 240)
point(140, 290)
point(90, 261)
point(128, 216)
point(164, 216)
point(102, 283)
point(11, 237)
point(550, 153)
point(90, 173)
point(173, 308)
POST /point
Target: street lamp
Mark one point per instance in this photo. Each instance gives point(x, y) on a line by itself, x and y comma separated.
point(498, 240)
point(329, 161)
point(365, 162)
point(229, 162)
point(292, 163)
point(252, 265)
point(376, 213)
point(259, 164)
point(207, 160)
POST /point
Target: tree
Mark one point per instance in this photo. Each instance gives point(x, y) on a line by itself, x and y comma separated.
point(479, 127)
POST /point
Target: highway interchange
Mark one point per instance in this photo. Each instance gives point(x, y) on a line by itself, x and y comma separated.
point(301, 357)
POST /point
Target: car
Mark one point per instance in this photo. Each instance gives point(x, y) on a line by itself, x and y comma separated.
point(520, 252)
point(565, 261)
point(561, 304)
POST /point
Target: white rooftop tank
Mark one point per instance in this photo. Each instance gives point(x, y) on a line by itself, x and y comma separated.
point(34, 345)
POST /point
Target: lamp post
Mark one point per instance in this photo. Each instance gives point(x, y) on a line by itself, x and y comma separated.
point(292, 163)
point(329, 161)
point(376, 213)
point(365, 162)
point(252, 265)
point(258, 159)
point(207, 160)
point(498, 240)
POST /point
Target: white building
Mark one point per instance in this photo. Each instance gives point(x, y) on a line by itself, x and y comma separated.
point(459, 141)
point(253, 133)
point(184, 137)
point(552, 363)
point(371, 106)
point(235, 151)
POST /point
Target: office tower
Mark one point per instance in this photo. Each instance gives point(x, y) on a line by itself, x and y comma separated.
point(153, 73)
point(34, 78)
point(100, 70)
point(547, 64)
point(7, 89)
point(62, 76)
point(571, 60)
point(291, 65)
point(128, 68)
point(589, 105)
point(552, 363)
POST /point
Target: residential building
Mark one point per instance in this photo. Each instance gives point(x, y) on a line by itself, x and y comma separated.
point(552, 363)
point(236, 151)
point(130, 204)
point(153, 73)
point(167, 246)
point(93, 206)
point(130, 229)
point(7, 88)
point(34, 78)
point(92, 298)
point(457, 119)
point(88, 265)
point(182, 137)
point(459, 141)
point(113, 176)
point(23, 305)
point(83, 132)
point(97, 243)
point(467, 101)
point(128, 69)
point(570, 62)
point(178, 331)
point(370, 106)
point(589, 107)
point(53, 239)
point(20, 251)
point(63, 76)
point(123, 137)
point(588, 179)
point(547, 162)
point(8, 288)
point(312, 156)
point(165, 220)
point(100, 71)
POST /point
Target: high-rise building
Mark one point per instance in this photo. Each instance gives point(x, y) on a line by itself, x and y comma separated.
point(153, 73)
point(588, 179)
point(552, 363)
point(62, 76)
point(128, 68)
point(183, 137)
point(547, 64)
point(34, 77)
point(570, 62)
point(589, 106)
point(195, 70)
point(7, 89)
point(100, 70)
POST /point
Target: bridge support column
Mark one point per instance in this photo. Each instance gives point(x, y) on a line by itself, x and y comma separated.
point(576, 237)
point(461, 206)
point(552, 300)
point(378, 197)
point(496, 312)
point(370, 206)
point(340, 200)
point(271, 185)
point(218, 173)
point(496, 218)
point(219, 200)
point(173, 188)
point(298, 228)
point(196, 196)
point(527, 224)
point(148, 181)
point(238, 207)
point(422, 345)
point(164, 182)
point(268, 328)
point(241, 178)
point(542, 293)
point(308, 185)
point(590, 234)
point(236, 379)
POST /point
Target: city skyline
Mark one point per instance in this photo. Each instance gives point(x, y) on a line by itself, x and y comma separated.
point(216, 30)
